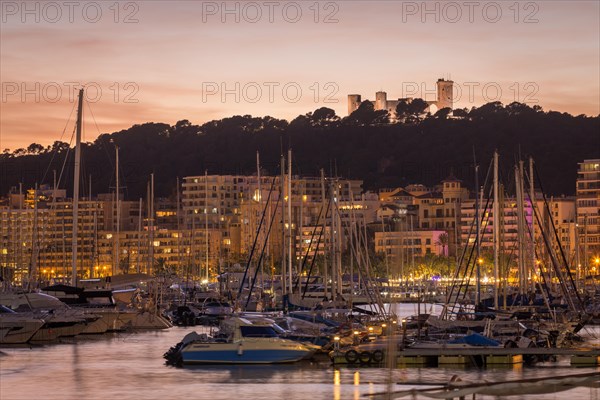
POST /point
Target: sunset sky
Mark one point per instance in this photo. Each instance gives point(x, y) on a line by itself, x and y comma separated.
point(159, 61)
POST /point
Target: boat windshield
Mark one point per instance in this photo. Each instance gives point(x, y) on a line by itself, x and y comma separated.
point(6, 310)
point(258, 331)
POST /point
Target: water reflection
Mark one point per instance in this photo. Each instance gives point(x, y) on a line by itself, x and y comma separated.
point(132, 367)
point(336, 384)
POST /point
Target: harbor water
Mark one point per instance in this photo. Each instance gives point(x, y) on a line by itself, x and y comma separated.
point(131, 366)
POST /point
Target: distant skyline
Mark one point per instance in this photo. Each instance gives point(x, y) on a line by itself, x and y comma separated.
point(159, 61)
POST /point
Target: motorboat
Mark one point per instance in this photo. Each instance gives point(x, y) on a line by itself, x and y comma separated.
point(101, 302)
point(239, 341)
point(216, 308)
point(17, 328)
point(59, 319)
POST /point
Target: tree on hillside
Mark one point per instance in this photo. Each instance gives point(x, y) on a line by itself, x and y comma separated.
point(443, 113)
point(324, 117)
point(411, 111)
point(366, 115)
point(487, 110)
point(320, 118)
point(416, 110)
point(461, 113)
point(35, 148)
point(402, 110)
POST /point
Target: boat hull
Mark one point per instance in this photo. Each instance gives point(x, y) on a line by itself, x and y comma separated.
point(19, 330)
point(273, 352)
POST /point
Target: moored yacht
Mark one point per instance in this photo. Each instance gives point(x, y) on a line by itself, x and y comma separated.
point(240, 342)
point(59, 319)
point(17, 328)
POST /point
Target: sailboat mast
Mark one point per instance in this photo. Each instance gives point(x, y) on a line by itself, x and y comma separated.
point(206, 220)
point(520, 226)
point(478, 238)
point(496, 231)
point(259, 199)
point(76, 189)
point(118, 214)
point(178, 213)
point(35, 237)
point(300, 227)
point(139, 245)
point(533, 206)
point(283, 252)
point(324, 233)
point(333, 242)
point(151, 223)
point(290, 219)
point(95, 245)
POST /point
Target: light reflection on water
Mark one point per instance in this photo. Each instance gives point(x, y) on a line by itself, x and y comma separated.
point(132, 367)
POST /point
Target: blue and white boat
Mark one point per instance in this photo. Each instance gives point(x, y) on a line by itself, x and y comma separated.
point(239, 342)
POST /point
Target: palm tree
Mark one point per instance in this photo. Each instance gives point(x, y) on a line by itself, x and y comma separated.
point(442, 241)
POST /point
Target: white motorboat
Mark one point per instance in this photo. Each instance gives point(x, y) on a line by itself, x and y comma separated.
point(240, 342)
point(17, 328)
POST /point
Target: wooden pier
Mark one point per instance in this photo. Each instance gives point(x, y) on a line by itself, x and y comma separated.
point(472, 356)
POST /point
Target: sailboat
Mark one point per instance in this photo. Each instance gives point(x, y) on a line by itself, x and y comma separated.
point(109, 317)
point(550, 323)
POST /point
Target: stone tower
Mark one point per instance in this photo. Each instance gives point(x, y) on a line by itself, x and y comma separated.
point(353, 102)
point(445, 94)
point(381, 101)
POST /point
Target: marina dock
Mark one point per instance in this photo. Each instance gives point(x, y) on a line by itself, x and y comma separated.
point(477, 357)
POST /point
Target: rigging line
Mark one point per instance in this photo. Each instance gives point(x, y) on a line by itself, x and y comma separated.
point(66, 156)
point(483, 220)
point(312, 237)
point(262, 253)
point(559, 273)
point(60, 140)
point(562, 253)
point(93, 117)
point(100, 135)
point(468, 273)
point(262, 218)
point(121, 173)
point(458, 268)
point(369, 282)
point(457, 271)
point(312, 264)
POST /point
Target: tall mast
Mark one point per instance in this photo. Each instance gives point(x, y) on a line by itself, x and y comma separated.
point(324, 233)
point(76, 189)
point(178, 213)
point(333, 242)
point(520, 226)
point(301, 191)
point(206, 219)
point(496, 232)
point(478, 237)
point(95, 245)
point(151, 223)
point(35, 237)
point(283, 252)
point(139, 246)
point(290, 219)
point(118, 214)
point(533, 206)
point(259, 199)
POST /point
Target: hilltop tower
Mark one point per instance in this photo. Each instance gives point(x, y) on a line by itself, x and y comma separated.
point(381, 101)
point(353, 102)
point(445, 94)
